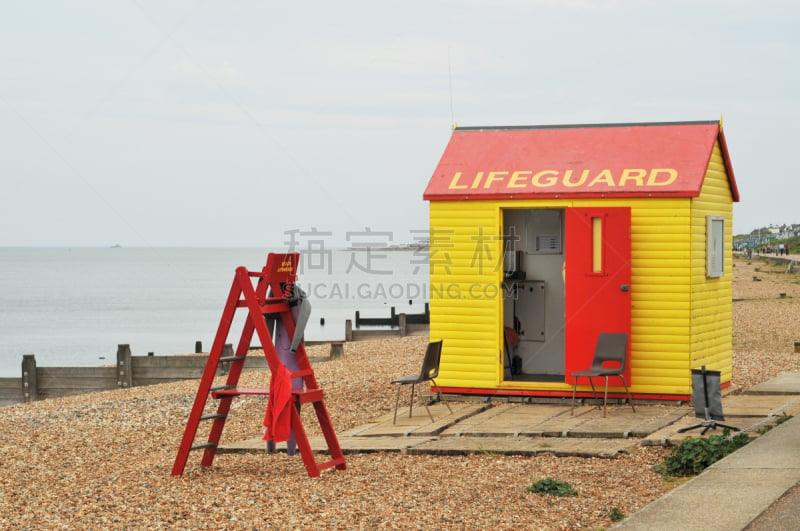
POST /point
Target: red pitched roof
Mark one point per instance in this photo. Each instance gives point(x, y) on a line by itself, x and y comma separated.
point(619, 160)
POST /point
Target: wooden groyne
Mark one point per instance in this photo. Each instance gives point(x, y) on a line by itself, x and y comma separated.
point(394, 318)
point(400, 324)
point(38, 383)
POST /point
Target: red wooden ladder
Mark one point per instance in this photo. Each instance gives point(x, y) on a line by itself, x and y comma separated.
point(269, 296)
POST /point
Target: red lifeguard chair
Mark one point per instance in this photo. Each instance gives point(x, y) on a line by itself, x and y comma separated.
point(269, 297)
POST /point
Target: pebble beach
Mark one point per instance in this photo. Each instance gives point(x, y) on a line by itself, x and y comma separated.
point(103, 460)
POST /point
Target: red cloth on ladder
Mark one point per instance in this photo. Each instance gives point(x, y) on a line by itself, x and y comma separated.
point(278, 419)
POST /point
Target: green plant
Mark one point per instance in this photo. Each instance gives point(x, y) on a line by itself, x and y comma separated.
point(554, 487)
point(780, 419)
point(616, 515)
point(694, 454)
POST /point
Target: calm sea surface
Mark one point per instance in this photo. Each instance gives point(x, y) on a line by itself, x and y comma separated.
point(73, 306)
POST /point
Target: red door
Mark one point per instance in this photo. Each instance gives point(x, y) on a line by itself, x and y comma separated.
point(597, 278)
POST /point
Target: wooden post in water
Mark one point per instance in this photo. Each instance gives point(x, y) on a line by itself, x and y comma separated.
point(30, 384)
point(124, 370)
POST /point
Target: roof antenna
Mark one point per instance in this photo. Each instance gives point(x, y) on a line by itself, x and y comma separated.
point(450, 80)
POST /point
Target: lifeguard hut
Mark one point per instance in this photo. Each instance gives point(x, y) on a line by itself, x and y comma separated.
point(559, 233)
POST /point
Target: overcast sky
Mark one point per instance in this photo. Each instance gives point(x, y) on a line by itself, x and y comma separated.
point(204, 123)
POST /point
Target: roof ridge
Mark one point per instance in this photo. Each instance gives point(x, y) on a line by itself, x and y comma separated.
point(579, 126)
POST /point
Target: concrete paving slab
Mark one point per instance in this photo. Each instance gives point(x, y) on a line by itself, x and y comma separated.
point(363, 445)
point(355, 432)
point(528, 446)
point(348, 445)
point(670, 436)
point(757, 405)
point(616, 424)
point(419, 424)
point(505, 420)
point(791, 408)
point(747, 424)
point(787, 383)
point(561, 425)
point(653, 418)
point(482, 423)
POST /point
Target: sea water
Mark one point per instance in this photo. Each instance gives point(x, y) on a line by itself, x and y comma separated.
point(72, 306)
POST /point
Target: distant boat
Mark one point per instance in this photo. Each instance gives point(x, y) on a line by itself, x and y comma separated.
point(116, 246)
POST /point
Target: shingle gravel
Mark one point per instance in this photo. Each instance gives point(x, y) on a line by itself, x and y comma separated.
point(103, 460)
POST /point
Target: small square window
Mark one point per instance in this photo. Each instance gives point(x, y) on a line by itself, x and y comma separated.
point(715, 246)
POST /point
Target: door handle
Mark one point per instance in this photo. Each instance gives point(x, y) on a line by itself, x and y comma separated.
point(625, 287)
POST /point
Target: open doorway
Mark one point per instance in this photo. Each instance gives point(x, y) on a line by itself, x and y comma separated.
point(533, 289)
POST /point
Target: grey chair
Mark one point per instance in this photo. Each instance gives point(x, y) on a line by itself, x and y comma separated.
point(430, 370)
point(610, 359)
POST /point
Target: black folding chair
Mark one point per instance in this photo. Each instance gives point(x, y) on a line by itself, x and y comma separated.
point(430, 370)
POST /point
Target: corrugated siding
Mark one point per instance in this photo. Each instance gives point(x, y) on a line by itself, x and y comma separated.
point(465, 302)
point(660, 289)
point(712, 319)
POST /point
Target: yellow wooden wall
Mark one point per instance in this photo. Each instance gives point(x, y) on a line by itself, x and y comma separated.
point(712, 310)
point(465, 305)
point(678, 317)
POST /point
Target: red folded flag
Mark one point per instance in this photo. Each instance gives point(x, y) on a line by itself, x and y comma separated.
point(278, 420)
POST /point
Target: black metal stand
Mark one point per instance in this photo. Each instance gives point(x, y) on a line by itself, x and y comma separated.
point(709, 423)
